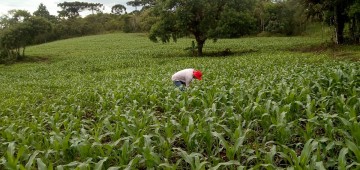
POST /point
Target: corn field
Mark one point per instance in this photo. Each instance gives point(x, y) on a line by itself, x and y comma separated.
point(107, 102)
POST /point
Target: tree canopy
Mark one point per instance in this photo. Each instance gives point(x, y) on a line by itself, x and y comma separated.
point(118, 9)
point(42, 11)
point(72, 9)
point(22, 34)
point(143, 3)
point(202, 19)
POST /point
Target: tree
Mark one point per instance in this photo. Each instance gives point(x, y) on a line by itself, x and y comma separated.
point(118, 9)
point(94, 7)
point(72, 9)
point(261, 13)
point(134, 3)
point(200, 18)
point(15, 38)
point(145, 3)
point(19, 15)
point(235, 21)
point(20, 35)
point(131, 23)
point(14, 17)
point(354, 15)
point(335, 11)
point(4, 21)
point(42, 11)
point(280, 19)
point(146, 20)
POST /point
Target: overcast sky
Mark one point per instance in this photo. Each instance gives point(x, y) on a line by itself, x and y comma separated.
point(51, 5)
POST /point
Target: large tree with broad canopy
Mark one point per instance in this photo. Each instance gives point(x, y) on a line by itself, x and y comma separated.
point(203, 19)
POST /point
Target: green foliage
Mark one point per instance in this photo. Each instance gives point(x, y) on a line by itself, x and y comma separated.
point(15, 38)
point(337, 13)
point(42, 11)
point(72, 9)
point(205, 19)
point(354, 14)
point(20, 35)
point(98, 107)
point(118, 9)
point(233, 23)
point(13, 17)
point(279, 19)
point(192, 48)
point(19, 15)
point(5, 57)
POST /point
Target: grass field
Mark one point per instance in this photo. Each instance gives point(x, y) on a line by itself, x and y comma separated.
point(107, 102)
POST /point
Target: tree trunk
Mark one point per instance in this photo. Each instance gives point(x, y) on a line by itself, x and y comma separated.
point(354, 30)
point(339, 25)
point(23, 52)
point(17, 53)
point(357, 29)
point(200, 44)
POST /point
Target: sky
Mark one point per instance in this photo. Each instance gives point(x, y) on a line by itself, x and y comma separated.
point(51, 5)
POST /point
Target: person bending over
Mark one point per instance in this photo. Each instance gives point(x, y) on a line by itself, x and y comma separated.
point(184, 77)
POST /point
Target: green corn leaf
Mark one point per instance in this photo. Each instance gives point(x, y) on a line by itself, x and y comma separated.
point(50, 166)
point(267, 166)
point(189, 158)
point(270, 155)
point(11, 148)
point(239, 142)
point(291, 156)
point(342, 159)
point(353, 164)
point(305, 155)
point(320, 165)
point(355, 149)
point(198, 164)
point(221, 138)
point(133, 162)
point(250, 158)
point(228, 163)
point(31, 160)
point(167, 166)
point(99, 165)
point(60, 167)
point(20, 152)
point(41, 164)
point(344, 121)
point(330, 146)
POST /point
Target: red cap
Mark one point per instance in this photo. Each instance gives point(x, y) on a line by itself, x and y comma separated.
point(197, 74)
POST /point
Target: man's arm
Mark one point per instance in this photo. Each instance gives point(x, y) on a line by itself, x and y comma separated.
point(188, 79)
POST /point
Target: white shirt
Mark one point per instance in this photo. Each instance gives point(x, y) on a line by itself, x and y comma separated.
point(185, 76)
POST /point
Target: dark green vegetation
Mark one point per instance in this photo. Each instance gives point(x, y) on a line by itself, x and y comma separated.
point(107, 101)
point(205, 19)
point(341, 14)
point(171, 19)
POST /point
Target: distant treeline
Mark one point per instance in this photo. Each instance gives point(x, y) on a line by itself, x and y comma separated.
point(19, 28)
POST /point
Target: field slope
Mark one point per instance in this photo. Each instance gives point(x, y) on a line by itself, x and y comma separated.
point(107, 102)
